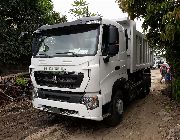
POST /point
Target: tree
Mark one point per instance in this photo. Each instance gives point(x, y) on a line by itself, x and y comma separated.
point(80, 9)
point(161, 22)
point(18, 16)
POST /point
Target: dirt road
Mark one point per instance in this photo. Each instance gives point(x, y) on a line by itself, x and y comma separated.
point(155, 117)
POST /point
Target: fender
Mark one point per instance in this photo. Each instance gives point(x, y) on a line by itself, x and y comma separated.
point(119, 84)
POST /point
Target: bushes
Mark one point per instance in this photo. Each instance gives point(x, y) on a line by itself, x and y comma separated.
point(176, 89)
point(14, 87)
point(21, 81)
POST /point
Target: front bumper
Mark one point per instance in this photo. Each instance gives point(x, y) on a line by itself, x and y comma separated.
point(69, 109)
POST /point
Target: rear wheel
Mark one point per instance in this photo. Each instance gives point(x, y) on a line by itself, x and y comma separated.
point(146, 85)
point(145, 90)
point(116, 109)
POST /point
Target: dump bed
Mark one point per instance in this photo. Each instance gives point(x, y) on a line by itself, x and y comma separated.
point(140, 55)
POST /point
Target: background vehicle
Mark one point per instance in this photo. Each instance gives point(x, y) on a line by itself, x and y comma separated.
point(89, 68)
point(155, 64)
point(158, 61)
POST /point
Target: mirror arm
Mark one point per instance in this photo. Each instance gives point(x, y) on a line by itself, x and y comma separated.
point(106, 59)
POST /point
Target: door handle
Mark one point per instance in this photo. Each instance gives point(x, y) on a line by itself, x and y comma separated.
point(117, 67)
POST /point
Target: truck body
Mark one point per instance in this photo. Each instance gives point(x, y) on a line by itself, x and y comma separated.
point(89, 68)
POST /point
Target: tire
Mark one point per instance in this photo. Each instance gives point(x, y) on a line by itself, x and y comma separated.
point(145, 91)
point(116, 109)
point(146, 85)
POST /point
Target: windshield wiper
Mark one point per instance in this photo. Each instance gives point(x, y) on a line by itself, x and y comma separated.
point(44, 55)
point(74, 54)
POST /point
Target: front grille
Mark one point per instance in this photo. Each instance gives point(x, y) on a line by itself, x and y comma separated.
point(59, 79)
point(63, 96)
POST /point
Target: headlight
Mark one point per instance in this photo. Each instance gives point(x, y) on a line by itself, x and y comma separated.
point(90, 102)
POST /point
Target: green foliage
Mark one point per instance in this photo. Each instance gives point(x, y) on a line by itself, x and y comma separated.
point(176, 89)
point(172, 24)
point(80, 9)
point(135, 8)
point(20, 81)
point(18, 16)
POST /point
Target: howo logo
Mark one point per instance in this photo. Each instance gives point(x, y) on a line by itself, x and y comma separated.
point(55, 79)
point(54, 69)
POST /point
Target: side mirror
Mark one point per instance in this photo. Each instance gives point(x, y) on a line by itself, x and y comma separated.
point(113, 50)
point(113, 35)
point(126, 35)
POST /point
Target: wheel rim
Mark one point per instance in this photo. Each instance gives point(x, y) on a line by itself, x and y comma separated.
point(119, 106)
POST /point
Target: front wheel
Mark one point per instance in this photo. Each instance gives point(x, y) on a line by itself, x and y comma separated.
point(116, 109)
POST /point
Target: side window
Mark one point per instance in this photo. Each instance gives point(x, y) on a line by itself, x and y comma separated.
point(105, 40)
point(110, 40)
point(113, 35)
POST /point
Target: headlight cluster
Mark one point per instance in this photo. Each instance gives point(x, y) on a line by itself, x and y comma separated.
point(90, 102)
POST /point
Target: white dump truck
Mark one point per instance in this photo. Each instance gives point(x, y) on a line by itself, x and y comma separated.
point(89, 68)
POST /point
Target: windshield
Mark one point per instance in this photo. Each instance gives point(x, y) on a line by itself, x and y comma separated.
point(82, 40)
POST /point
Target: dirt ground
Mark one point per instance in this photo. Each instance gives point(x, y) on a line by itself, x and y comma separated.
point(155, 117)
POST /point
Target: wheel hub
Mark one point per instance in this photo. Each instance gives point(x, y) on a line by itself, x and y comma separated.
point(119, 106)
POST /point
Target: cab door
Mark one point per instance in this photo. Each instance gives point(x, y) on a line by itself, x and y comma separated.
point(113, 61)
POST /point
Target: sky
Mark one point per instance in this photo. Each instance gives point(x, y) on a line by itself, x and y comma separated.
point(107, 8)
